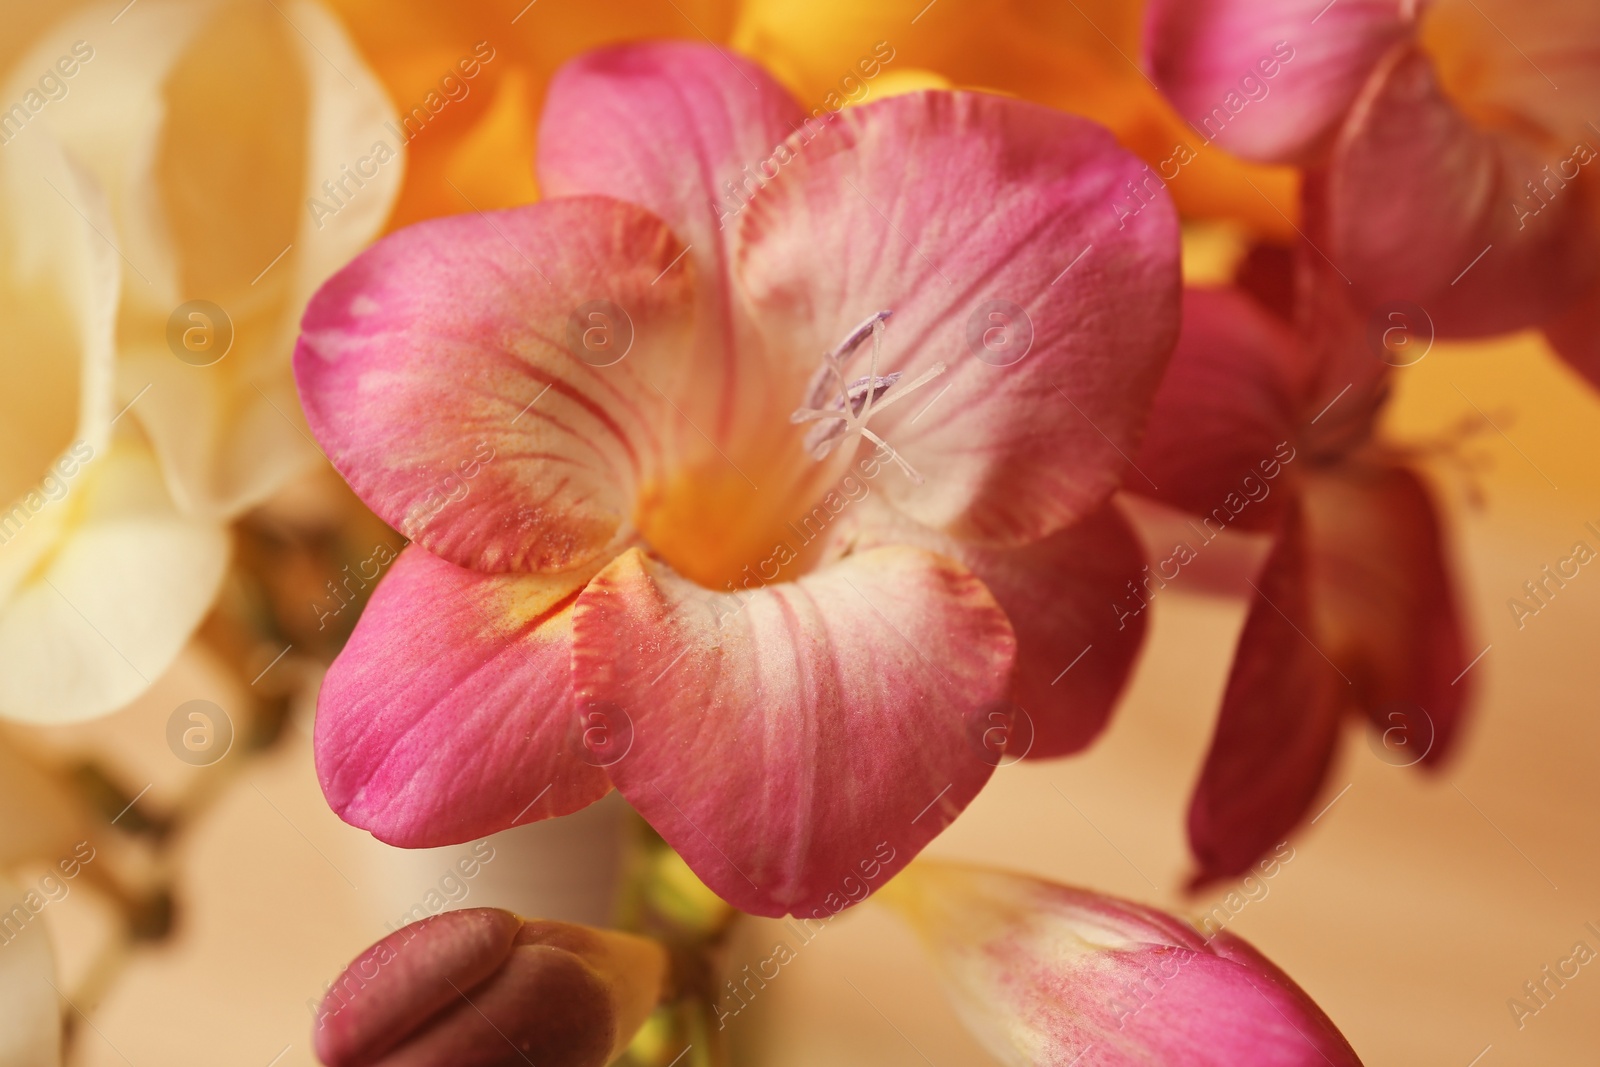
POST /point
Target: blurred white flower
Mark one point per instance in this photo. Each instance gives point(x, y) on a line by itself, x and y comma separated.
point(157, 246)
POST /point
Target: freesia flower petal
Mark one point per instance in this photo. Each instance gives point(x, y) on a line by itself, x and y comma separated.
point(665, 125)
point(1045, 974)
point(449, 714)
point(1074, 652)
point(230, 438)
point(58, 297)
point(1228, 410)
point(1061, 593)
point(101, 581)
point(1460, 236)
point(799, 741)
point(1269, 80)
point(361, 1020)
point(988, 227)
point(120, 581)
point(1542, 76)
point(1279, 722)
point(145, 118)
point(1385, 604)
point(30, 1020)
point(462, 375)
point(1576, 336)
point(484, 988)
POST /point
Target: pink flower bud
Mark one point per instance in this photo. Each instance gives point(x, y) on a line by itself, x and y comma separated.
point(1047, 975)
point(484, 988)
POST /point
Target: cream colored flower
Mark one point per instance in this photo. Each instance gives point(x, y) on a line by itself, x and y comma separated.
point(153, 156)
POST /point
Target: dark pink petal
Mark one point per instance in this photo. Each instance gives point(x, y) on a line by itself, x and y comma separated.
point(1071, 598)
point(450, 713)
point(1229, 414)
point(399, 983)
point(1279, 723)
point(483, 988)
point(1075, 648)
point(799, 743)
point(1386, 608)
point(1269, 80)
point(989, 228)
point(1423, 206)
point(1576, 336)
point(1047, 975)
point(675, 127)
point(441, 372)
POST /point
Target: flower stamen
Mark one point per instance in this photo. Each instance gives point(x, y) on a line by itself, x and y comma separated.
point(858, 399)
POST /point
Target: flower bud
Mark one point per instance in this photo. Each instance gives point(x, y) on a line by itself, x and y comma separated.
point(1044, 974)
point(483, 988)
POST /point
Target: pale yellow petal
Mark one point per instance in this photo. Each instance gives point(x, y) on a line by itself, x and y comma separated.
point(248, 153)
point(58, 292)
point(122, 582)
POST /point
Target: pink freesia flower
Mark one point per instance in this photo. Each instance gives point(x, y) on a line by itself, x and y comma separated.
point(621, 427)
point(1452, 156)
point(485, 988)
point(1265, 425)
point(1047, 976)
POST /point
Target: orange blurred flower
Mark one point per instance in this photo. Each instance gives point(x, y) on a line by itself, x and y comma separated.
point(469, 82)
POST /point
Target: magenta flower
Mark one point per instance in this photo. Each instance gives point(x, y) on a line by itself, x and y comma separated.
point(1265, 423)
point(1047, 976)
point(624, 430)
point(1449, 144)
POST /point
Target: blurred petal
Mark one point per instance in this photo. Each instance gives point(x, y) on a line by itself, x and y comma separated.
point(59, 284)
point(476, 170)
point(101, 581)
point(1457, 233)
point(1385, 604)
point(484, 988)
point(121, 582)
point(838, 711)
point(449, 715)
point(1044, 974)
point(146, 119)
point(1227, 415)
point(1546, 80)
point(30, 1019)
point(58, 296)
point(1073, 309)
point(1307, 60)
point(1279, 722)
point(441, 371)
point(1576, 336)
point(228, 439)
